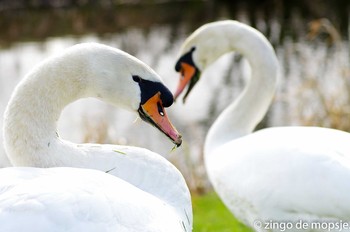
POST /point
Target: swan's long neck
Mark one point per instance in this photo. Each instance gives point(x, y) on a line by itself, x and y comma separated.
point(241, 117)
point(30, 120)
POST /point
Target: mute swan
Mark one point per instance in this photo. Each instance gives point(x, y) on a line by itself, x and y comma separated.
point(281, 174)
point(147, 191)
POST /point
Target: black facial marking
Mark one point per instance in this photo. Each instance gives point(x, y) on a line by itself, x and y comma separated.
point(136, 78)
point(186, 58)
point(150, 88)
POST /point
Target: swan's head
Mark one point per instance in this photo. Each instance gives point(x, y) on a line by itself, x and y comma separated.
point(154, 97)
point(190, 73)
point(200, 49)
point(122, 80)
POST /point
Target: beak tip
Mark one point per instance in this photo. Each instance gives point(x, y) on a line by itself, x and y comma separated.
point(178, 141)
point(176, 95)
point(176, 138)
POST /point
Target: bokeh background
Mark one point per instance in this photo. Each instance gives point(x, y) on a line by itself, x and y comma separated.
point(311, 39)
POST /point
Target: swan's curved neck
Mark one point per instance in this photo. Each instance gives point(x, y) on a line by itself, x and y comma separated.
point(30, 119)
point(241, 117)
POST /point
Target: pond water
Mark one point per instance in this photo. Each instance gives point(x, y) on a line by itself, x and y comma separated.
point(315, 72)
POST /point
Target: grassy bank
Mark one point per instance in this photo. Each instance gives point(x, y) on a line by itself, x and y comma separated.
point(210, 214)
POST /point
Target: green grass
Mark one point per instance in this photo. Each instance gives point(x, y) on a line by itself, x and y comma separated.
point(210, 214)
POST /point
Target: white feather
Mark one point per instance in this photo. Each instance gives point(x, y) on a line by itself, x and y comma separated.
point(280, 175)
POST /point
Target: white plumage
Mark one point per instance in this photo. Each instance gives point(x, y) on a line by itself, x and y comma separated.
point(283, 174)
point(145, 193)
point(72, 199)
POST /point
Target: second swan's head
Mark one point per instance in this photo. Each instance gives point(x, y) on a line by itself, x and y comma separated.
point(203, 47)
point(120, 79)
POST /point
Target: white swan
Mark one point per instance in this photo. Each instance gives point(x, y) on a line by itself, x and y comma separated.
point(283, 174)
point(149, 193)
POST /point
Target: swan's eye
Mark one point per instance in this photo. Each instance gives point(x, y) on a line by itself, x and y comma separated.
point(160, 109)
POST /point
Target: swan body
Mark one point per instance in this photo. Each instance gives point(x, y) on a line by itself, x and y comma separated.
point(282, 174)
point(72, 199)
point(273, 174)
point(31, 139)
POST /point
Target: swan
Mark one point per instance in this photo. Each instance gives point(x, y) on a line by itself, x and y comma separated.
point(76, 199)
point(274, 175)
point(141, 190)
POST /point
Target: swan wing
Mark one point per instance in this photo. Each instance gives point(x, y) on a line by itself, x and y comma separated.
point(147, 171)
point(71, 199)
point(285, 174)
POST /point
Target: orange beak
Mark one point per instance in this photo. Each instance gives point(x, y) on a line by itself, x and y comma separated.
point(187, 72)
point(153, 112)
point(190, 75)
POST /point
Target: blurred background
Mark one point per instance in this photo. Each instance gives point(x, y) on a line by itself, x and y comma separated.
point(311, 39)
